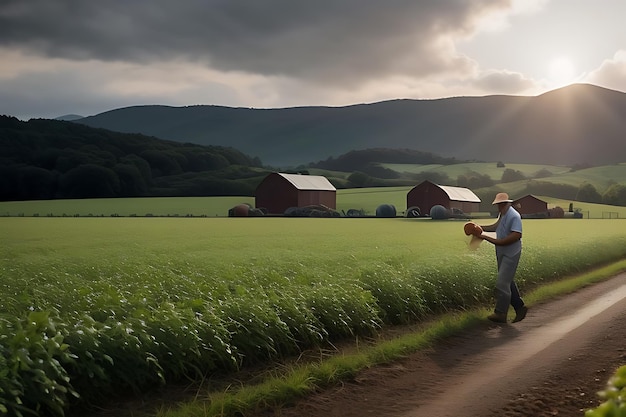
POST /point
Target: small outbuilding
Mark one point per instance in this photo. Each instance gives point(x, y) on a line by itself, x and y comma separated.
point(529, 204)
point(279, 191)
point(428, 194)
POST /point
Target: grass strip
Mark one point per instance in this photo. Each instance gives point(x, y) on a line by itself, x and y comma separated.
point(302, 380)
point(576, 282)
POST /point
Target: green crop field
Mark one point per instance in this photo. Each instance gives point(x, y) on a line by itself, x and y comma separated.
point(92, 306)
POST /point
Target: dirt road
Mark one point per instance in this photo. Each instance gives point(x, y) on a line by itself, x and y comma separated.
point(551, 364)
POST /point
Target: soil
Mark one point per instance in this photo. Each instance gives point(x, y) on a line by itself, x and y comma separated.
point(553, 363)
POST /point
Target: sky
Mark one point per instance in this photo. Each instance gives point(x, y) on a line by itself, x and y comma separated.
point(85, 57)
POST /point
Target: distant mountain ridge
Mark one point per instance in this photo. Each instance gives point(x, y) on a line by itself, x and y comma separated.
point(69, 117)
point(581, 123)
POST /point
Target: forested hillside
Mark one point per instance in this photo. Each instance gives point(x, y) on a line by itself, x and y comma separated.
point(47, 159)
point(50, 159)
point(578, 124)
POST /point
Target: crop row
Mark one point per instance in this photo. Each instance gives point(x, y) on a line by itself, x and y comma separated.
point(77, 330)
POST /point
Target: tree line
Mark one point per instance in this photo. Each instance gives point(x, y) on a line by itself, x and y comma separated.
point(48, 159)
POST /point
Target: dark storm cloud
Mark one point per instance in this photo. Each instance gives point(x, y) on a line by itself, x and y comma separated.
point(324, 40)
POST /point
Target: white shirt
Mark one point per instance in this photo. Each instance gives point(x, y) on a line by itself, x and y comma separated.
point(510, 221)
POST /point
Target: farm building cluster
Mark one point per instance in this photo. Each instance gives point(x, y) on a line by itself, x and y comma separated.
point(300, 195)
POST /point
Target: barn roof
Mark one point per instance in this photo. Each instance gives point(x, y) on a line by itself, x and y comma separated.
point(530, 196)
point(460, 194)
point(308, 182)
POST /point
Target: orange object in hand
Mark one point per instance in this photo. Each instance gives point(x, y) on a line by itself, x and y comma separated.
point(471, 228)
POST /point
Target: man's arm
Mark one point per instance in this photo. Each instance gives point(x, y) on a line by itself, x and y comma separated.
point(491, 227)
point(507, 240)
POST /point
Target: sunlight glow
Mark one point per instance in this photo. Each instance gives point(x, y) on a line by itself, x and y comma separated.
point(561, 72)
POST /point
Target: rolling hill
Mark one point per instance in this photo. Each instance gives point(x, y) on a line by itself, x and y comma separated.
point(578, 124)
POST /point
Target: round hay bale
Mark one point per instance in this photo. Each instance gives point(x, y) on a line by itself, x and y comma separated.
point(355, 213)
point(556, 213)
point(291, 211)
point(413, 211)
point(386, 210)
point(439, 212)
point(240, 210)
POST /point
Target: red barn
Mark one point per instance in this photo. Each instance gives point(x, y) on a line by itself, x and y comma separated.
point(530, 204)
point(277, 192)
point(427, 194)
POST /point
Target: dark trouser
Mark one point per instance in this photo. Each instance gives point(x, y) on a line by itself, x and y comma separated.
point(506, 289)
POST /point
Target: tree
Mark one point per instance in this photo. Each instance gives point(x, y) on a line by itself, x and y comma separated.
point(542, 173)
point(378, 171)
point(432, 176)
point(474, 180)
point(162, 162)
point(132, 183)
point(615, 195)
point(9, 175)
point(215, 161)
point(141, 164)
point(70, 159)
point(37, 183)
point(89, 181)
point(587, 192)
point(510, 175)
point(359, 179)
point(564, 191)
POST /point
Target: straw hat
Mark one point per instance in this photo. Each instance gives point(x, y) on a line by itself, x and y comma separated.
point(502, 198)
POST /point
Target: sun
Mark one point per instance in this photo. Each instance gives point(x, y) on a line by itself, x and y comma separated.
point(561, 72)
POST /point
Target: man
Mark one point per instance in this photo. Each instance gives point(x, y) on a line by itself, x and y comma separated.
point(508, 243)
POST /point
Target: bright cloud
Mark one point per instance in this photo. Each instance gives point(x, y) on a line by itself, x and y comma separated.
point(69, 56)
point(612, 73)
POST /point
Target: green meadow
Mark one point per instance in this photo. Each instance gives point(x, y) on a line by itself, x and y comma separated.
point(366, 199)
point(484, 168)
point(140, 207)
point(94, 306)
point(600, 177)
